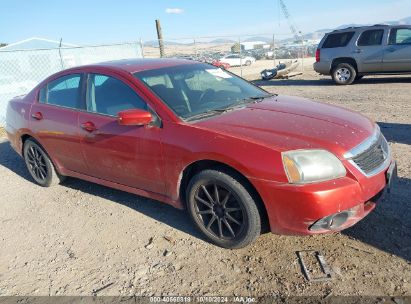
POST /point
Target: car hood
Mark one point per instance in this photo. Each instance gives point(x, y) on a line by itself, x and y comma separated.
point(288, 123)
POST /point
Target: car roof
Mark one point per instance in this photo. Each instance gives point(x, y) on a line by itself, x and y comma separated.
point(354, 28)
point(141, 64)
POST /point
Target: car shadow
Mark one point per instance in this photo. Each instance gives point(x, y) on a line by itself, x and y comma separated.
point(396, 132)
point(327, 81)
point(293, 82)
point(388, 227)
point(158, 211)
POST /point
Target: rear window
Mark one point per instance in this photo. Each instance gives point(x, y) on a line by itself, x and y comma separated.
point(64, 91)
point(337, 40)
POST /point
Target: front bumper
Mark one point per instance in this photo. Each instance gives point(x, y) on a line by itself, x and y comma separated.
point(296, 209)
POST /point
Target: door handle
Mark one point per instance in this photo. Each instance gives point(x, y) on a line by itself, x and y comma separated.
point(89, 126)
point(358, 51)
point(391, 49)
point(37, 116)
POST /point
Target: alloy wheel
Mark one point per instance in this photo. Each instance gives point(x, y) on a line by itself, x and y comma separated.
point(343, 74)
point(219, 210)
point(37, 163)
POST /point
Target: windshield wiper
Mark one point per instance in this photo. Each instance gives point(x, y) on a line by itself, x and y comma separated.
point(205, 114)
point(256, 99)
point(232, 106)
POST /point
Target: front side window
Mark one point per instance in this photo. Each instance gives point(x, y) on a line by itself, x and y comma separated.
point(371, 37)
point(337, 40)
point(199, 88)
point(108, 95)
point(64, 91)
point(400, 36)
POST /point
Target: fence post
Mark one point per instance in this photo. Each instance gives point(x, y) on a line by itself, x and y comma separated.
point(160, 38)
point(142, 47)
point(274, 50)
point(61, 58)
point(241, 59)
point(302, 56)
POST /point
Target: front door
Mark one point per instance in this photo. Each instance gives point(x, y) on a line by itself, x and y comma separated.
point(54, 121)
point(397, 55)
point(127, 155)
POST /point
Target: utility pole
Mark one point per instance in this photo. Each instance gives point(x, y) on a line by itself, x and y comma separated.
point(160, 38)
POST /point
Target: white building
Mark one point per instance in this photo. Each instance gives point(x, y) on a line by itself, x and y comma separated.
point(251, 45)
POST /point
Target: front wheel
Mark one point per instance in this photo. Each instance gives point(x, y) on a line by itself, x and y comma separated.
point(248, 62)
point(344, 73)
point(39, 165)
point(222, 209)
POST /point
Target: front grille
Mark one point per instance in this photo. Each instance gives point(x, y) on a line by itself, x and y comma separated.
point(373, 157)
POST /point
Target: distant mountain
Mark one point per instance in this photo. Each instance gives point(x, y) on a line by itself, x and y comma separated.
point(406, 20)
point(154, 43)
point(222, 41)
point(320, 33)
point(267, 40)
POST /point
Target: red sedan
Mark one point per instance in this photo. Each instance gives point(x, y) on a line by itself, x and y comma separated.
point(191, 135)
point(219, 64)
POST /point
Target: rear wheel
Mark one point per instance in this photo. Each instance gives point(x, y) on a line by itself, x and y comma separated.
point(248, 62)
point(343, 74)
point(39, 165)
point(223, 209)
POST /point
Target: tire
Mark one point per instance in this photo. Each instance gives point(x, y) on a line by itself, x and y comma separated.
point(39, 165)
point(343, 74)
point(248, 62)
point(210, 196)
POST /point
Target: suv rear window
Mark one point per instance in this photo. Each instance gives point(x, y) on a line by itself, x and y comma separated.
point(337, 40)
point(370, 37)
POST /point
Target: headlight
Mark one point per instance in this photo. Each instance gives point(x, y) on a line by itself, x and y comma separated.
point(307, 166)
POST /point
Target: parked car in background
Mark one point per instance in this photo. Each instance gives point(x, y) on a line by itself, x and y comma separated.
point(191, 135)
point(237, 60)
point(349, 54)
point(220, 64)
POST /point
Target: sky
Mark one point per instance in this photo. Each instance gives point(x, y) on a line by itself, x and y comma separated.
point(109, 21)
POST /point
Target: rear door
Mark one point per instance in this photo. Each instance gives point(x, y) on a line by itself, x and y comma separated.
point(397, 54)
point(54, 120)
point(127, 155)
point(369, 51)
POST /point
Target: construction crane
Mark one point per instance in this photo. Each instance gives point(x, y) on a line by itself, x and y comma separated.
point(291, 24)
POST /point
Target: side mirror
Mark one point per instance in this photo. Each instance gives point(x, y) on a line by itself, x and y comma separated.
point(134, 117)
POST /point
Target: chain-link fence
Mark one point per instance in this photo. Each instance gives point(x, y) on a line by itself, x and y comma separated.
point(21, 70)
point(245, 55)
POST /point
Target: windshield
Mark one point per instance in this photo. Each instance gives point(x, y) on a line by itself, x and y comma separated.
point(192, 89)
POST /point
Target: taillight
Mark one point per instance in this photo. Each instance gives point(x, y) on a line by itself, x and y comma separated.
point(317, 55)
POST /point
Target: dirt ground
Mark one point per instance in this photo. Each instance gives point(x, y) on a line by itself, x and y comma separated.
point(80, 238)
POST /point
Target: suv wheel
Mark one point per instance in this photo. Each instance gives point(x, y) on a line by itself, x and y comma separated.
point(344, 73)
point(222, 209)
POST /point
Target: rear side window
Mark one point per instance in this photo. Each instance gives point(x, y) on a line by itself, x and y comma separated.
point(64, 91)
point(400, 36)
point(371, 37)
point(337, 40)
point(108, 95)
